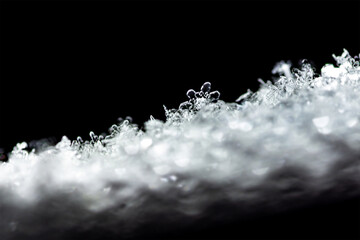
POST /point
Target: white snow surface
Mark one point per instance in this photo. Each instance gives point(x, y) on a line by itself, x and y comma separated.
point(293, 142)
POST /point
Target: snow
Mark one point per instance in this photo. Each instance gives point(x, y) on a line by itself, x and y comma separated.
point(294, 139)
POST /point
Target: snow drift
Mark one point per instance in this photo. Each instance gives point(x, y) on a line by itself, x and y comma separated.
point(293, 142)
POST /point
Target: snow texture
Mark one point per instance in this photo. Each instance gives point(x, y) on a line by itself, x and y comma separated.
point(292, 143)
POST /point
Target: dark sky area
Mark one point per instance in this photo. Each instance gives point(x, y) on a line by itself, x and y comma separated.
point(68, 68)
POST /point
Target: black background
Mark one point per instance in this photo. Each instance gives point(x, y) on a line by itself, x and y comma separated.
point(71, 67)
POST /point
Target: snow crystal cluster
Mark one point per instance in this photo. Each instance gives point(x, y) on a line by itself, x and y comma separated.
point(293, 142)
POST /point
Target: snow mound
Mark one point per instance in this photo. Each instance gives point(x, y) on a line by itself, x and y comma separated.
point(293, 142)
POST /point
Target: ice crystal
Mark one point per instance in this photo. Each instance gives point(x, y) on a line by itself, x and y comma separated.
point(201, 98)
point(290, 142)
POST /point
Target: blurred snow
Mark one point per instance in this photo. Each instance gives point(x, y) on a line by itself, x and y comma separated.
point(293, 142)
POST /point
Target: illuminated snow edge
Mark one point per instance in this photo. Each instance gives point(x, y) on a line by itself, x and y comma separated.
point(292, 142)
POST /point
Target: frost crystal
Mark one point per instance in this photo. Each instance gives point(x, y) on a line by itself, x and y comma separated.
point(201, 98)
point(294, 139)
